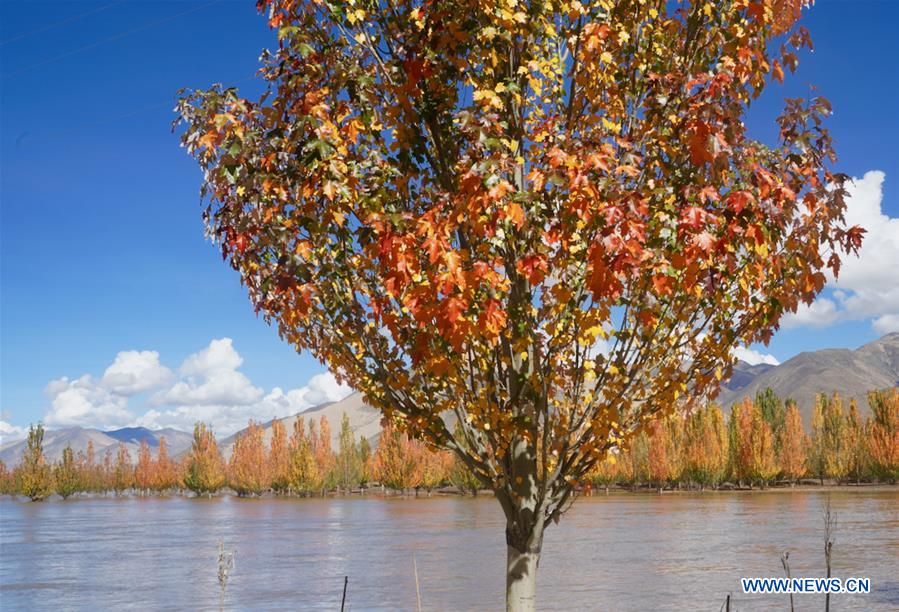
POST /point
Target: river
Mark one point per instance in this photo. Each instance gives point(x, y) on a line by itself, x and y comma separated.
point(618, 552)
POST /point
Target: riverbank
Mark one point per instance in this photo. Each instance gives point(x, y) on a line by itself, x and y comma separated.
point(449, 491)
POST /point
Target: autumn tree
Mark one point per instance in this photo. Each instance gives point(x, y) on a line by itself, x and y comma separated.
point(883, 434)
point(66, 475)
point(434, 466)
point(302, 462)
point(450, 204)
point(123, 471)
point(247, 469)
point(165, 472)
point(205, 468)
point(635, 462)
point(664, 451)
point(34, 477)
point(605, 472)
point(829, 450)
point(279, 458)
point(143, 471)
point(752, 444)
point(397, 464)
point(7, 486)
point(706, 446)
point(348, 465)
point(856, 445)
point(365, 456)
point(773, 410)
point(793, 444)
point(91, 474)
point(320, 444)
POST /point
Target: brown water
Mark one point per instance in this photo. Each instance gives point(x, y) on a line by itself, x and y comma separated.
point(618, 552)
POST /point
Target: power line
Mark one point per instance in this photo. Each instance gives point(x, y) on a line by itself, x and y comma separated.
point(59, 23)
point(146, 26)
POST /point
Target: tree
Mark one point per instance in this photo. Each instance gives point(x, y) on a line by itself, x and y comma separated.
point(66, 474)
point(123, 472)
point(829, 456)
point(247, 470)
point(309, 465)
point(883, 434)
point(279, 458)
point(450, 204)
point(91, 474)
point(348, 466)
point(706, 446)
point(205, 469)
point(664, 452)
point(605, 472)
point(144, 470)
point(397, 464)
point(7, 486)
point(856, 445)
point(773, 412)
point(434, 466)
point(34, 478)
point(754, 459)
point(165, 472)
point(793, 444)
point(635, 463)
point(365, 456)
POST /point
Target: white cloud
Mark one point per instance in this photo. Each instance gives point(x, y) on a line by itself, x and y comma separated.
point(821, 313)
point(219, 356)
point(886, 324)
point(868, 285)
point(208, 387)
point(753, 357)
point(134, 372)
point(10, 432)
point(82, 402)
point(219, 387)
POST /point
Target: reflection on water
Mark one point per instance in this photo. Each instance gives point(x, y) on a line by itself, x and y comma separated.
point(618, 552)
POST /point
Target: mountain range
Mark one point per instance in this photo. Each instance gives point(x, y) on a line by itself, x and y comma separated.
point(56, 440)
point(851, 373)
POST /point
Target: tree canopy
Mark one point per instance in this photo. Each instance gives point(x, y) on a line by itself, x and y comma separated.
point(542, 220)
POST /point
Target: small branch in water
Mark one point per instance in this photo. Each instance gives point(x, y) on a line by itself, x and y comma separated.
point(785, 561)
point(830, 525)
point(343, 599)
point(226, 564)
point(417, 589)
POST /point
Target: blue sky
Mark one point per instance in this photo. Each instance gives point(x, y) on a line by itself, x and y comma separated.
point(102, 242)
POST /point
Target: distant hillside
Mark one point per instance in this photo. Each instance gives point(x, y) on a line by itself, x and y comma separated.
point(851, 373)
point(364, 420)
point(55, 441)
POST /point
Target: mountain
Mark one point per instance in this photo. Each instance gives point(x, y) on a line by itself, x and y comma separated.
point(56, 440)
point(364, 421)
point(851, 373)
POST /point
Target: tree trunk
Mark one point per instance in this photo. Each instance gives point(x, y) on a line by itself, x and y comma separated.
point(521, 580)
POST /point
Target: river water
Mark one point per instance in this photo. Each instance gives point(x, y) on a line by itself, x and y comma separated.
point(618, 552)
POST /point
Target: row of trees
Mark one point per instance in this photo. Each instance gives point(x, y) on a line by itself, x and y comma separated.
point(302, 464)
point(762, 441)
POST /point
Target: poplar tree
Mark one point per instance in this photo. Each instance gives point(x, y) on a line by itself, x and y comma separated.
point(279, 458)
point(34, 478)
point(793, 445)
point(883, 434)
point(143, 471)
point(205, 469)
point(248, 469)
point(66, 475)
point(348, 466)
